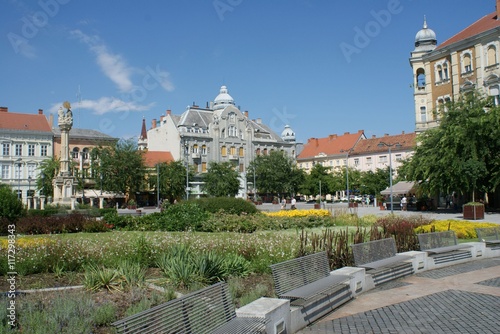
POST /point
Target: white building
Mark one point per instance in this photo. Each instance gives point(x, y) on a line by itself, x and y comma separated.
point(219, 132)
point(26, 140)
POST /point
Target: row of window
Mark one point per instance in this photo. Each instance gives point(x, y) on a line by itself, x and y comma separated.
point(232, 151)
point(442, 69)
point(16, 172)
point(75, 153)
point(232, 132)
point(382, 159)
point(202, 168)
point(17, 150)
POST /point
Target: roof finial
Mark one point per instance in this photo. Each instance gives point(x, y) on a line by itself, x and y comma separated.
point(425, 23)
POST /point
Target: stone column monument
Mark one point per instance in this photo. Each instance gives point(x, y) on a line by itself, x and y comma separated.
point(64, 181)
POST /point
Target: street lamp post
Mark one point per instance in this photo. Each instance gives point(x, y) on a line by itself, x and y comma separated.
point(28, 196)
point(18, 178)
point(157, 186)
point(347, 172)
point(382, 144)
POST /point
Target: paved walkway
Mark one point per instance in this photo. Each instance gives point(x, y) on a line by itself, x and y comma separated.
point(463, 298)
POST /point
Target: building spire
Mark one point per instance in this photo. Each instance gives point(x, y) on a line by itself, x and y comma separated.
point(144, 133)
point(425, 23)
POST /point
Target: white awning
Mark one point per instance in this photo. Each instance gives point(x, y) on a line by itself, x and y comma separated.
point(400, 188)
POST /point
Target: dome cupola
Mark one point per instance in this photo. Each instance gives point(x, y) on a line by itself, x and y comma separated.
point(223, 99)
point(288, 134)
point(425, 39)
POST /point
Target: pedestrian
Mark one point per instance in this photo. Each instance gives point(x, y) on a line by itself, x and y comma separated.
point(294, 201)
point(283, 203)
point(404, 203)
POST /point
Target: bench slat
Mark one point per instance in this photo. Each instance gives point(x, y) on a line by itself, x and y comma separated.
point(202, 311)
point(372, 251)
point(386, 262)
point(318, 287)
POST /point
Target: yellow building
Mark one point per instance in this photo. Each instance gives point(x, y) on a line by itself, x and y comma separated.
point(465, 62)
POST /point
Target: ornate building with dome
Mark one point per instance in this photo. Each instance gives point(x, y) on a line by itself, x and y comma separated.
point(218, 132)
point(465, 62)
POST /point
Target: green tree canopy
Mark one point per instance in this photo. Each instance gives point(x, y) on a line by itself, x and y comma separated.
point(173, 180)
point(221, 179)
point(275, 173)
point(462, 153)
point(122, 167)
point(311, 183)
point(49, 168)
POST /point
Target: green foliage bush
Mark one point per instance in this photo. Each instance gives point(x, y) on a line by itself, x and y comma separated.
point(230, 205)
point(10, 205)
point(71, 223)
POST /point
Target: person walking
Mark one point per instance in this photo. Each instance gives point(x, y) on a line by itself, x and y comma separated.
point(294, 201)
point(283, 203)
point(404, 203)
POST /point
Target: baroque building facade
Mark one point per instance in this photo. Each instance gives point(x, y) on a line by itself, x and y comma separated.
point(26, 141)
point(219, 132)
point(465, 62)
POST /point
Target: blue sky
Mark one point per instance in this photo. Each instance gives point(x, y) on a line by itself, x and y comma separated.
point(296, 62)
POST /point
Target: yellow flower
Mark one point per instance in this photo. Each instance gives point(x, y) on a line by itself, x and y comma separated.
point(23, 242)
point(463, 229)
point(298, 213)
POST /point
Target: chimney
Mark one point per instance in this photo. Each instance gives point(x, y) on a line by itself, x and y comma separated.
point(386, 135)
point(332, 136)
point(361, 131)
point(161, 119)
point(153, 123)
point(346, 133)
point(169, 112)
point(40, 111)
point(402, 132)
point(374, 136)
point(246, 112)
point(259, 121)
point(4, 109)
point(317, 143)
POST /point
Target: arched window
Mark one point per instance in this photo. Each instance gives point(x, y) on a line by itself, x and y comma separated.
point(75, 153)
point(467, 63)
point(492, 55)
point(204, 149)
point(265, 151)
point(257, 151)
point(439, 73)
point(223, 133)
point(195, 148)
point(495, 93)
point(232, 150)
point(85, 153)
point(420, 78)
point(445, 71)
point(232, 132)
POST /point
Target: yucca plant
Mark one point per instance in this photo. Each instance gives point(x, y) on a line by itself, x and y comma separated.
point(97, 278)
point(131, 273)
point(179, 270)
point(211, 267)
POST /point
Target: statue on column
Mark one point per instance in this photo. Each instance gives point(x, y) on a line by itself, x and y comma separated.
point(64, 183)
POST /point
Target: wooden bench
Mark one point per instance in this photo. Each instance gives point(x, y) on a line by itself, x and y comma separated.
point(490, 236)
point(443, 246)
point(209, 310)
point(380, 259)
point(306, 281)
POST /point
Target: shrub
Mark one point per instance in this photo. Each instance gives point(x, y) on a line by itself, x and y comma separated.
point(10, 205)
point(98, 277)
point(95, 226)
point(184, 216)
point(231, 205)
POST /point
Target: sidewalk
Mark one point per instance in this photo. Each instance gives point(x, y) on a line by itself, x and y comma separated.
point(463, 298)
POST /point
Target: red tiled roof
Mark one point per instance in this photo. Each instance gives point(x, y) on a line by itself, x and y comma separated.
point(370, 145)
point(331, 145)
point(485, 23)
point(24, 122)
point(151, 158)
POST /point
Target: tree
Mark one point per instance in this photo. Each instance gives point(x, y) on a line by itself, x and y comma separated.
point(122, 167)
point(311, 183)
point(374, 182)
point(173, 180)
point(462, 153)
point(10, 205)
point(49, 168)
point(221, 179)
point(275, 173)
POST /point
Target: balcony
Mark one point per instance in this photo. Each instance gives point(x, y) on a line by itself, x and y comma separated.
point(233, 157)
point(195, 155)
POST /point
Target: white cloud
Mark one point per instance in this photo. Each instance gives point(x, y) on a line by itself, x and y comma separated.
point(105, 105)
point(113, 65)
